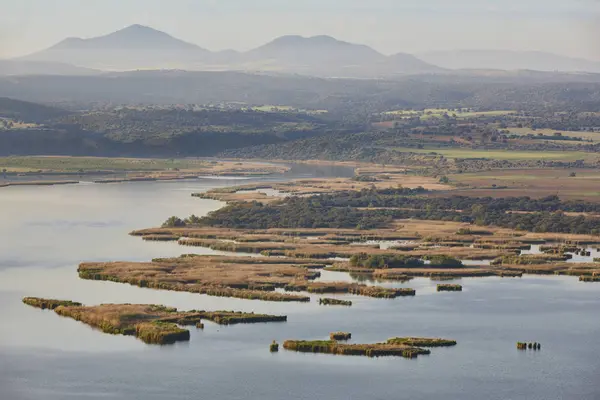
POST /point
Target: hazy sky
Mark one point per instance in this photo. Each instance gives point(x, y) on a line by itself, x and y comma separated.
point(566, 27)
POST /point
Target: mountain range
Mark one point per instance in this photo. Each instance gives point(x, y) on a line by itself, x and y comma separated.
point(139, 47)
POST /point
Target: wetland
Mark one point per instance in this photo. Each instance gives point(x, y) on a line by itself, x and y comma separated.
point(87, 225)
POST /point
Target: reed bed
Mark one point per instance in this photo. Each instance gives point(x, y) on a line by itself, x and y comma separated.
point(529, 346)
point(350, 288)
point(274, 347)
point(368, 350)
point(49, 304)
point(161, 238)
point(340, 336)
point(449, 288)
point(334, 302)
point(422, 342)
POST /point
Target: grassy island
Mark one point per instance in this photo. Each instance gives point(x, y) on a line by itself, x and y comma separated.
point(153, 324)
point(334, 302)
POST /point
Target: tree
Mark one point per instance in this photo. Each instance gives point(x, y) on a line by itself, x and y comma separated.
point(173, 222)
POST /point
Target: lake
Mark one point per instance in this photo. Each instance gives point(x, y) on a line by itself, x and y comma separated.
point(47, 231)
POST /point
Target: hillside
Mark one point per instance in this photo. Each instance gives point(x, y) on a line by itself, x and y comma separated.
point(28, 112)
point(153, 131)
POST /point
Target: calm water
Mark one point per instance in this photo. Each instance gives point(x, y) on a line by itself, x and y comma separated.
point(47, 231)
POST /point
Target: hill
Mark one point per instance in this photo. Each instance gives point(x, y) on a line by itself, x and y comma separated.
point(508, 60)
point(28, 112)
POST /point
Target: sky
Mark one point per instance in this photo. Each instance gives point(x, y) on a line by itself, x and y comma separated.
point(569, 27)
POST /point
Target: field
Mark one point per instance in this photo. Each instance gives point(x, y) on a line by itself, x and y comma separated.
point(432, 113)
point(587, 136)
point(7, 124)
point(585, 185)
point(275, 109)
point(504, 154)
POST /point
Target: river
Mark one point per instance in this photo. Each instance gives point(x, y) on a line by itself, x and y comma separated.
point(47, 231)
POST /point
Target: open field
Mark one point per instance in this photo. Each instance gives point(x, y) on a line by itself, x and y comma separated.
point(153, 324)
point(588, 136)
point(535, 183)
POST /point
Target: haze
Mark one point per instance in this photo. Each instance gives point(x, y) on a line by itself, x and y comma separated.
point(562, 27)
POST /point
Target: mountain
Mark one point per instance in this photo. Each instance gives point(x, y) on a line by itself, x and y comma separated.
point(508, 60)
point(327, 56)
point(134, 37)
point(19, 67)
point(298, 50)
point(135, 47)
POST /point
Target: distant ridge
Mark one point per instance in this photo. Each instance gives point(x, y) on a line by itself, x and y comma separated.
point(140, 47)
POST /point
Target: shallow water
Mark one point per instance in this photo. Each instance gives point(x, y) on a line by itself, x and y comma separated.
point(47, 231)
